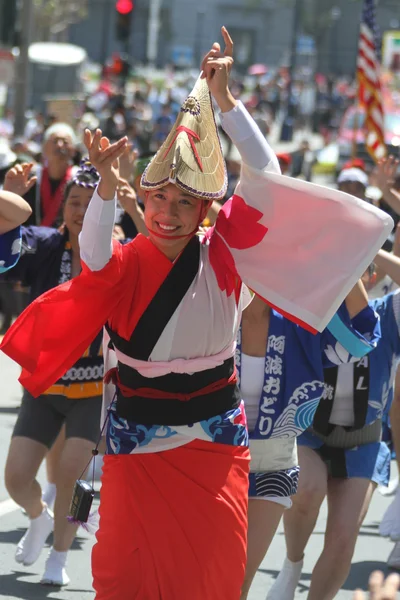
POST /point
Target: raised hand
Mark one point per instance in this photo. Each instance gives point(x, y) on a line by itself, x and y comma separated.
point(379, 588)
point(104, 156)
point(216, 68)
point(386, 173)
point(126, 196)
point(18, 180)
point(126, 163)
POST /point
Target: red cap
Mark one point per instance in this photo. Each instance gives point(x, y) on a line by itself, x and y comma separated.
point(284, 157)
point(355, 163)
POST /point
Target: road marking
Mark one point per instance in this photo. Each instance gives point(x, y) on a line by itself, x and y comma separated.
point(7, 506)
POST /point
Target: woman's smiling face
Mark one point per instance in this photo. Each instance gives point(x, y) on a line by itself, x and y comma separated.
point(172, 213)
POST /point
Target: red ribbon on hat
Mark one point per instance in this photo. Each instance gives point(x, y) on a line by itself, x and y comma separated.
point(192, 136)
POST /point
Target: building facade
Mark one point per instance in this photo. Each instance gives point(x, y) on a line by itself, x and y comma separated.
point(262, 30)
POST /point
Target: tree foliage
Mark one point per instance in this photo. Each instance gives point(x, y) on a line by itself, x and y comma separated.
point(53, 17)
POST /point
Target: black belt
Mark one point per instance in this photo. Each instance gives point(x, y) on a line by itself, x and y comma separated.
point(176, 412)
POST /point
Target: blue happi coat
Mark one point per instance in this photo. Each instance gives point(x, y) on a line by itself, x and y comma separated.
point(294, 367)
point(375, 373)
point(10, 249)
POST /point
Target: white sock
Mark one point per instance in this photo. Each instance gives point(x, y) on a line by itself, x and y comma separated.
point(49, 494)
point(285, 585)
point(31, 545)
point(55, 573)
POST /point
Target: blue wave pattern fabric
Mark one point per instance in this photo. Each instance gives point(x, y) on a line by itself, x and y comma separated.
point(294, 367)
point(10, 249)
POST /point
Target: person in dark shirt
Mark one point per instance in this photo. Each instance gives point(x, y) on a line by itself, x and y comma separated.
point(46, 197)
point(51, 257)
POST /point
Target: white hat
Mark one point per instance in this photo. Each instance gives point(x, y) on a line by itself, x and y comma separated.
point(7, 156)
point(353, 174)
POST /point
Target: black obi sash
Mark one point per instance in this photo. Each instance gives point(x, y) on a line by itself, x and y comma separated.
point(163, 411)
point(360, 398)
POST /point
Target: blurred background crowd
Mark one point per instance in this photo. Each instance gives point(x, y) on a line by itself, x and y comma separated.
point(126, 66)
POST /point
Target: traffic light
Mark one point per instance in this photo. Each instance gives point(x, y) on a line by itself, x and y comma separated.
point(124, 10)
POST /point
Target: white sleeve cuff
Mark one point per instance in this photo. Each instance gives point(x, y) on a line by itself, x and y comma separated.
point(95, 239)
point(238, 124)
point(100, 211)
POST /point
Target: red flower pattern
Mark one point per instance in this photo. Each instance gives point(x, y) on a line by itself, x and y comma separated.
point(238, 225)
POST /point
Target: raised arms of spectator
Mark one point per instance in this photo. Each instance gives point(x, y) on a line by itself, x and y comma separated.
point(14, 211)
point(389, 264)
point(386, 173)
point(127, 198)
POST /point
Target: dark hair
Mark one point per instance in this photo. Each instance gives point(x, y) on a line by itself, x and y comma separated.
point(87, 176)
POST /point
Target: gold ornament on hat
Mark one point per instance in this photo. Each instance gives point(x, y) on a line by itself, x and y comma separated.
point(191, 157)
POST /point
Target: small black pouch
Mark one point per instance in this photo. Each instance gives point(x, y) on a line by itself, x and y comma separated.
point(81, 502)
point(83, 494)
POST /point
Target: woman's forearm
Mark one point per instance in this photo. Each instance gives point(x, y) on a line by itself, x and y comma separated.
point(95, 240)
point(247, 137)
point(392, 198)
point(14, 211)
point(390, 264)
point(357, 299)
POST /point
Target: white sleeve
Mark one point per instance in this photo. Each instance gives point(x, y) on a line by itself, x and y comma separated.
point(247, 137)
point(95, 239)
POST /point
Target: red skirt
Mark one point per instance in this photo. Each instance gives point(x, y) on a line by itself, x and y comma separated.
point(173, 524)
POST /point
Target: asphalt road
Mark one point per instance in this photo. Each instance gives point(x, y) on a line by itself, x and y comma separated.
point(23, 583)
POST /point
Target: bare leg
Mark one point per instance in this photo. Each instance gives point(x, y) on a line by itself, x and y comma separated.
point(395, 419)
point(24, 459)
point(348, 502)
point(301, 518)
point(75, 456)
point(54, 455)
point(300, 521)
point(263, 520)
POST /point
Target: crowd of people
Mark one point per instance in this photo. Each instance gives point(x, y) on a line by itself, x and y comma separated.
point(235, 332)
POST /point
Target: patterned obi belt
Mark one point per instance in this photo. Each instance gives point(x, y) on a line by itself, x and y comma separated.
point(175, 399)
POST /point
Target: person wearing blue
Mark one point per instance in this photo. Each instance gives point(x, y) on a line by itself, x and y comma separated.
point(281, 372)
point(342, 457)
point(50, 257)
point(13, 212)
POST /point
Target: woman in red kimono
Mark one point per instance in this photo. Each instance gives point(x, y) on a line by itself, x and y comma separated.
point(173, 514)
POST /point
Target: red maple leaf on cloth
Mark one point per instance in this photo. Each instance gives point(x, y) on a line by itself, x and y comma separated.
point(237, 227)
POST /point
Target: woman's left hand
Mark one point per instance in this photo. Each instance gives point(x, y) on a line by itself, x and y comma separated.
point(216, 68)
point(104, 156)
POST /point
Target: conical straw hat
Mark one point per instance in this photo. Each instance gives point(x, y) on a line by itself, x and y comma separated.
point(191, 156)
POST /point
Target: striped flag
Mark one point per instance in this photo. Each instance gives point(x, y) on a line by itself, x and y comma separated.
point(369, 85)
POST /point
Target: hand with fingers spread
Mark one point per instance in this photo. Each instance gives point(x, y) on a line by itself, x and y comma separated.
point(18, 179)
point(379, 588)
point(386, 173)
point(216, 68)
point(105, 157)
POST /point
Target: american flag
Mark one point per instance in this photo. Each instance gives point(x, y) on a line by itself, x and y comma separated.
point(369, 85)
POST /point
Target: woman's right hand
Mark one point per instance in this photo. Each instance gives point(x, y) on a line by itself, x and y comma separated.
point(18, 180)
point(104, 156)
point(379, 588)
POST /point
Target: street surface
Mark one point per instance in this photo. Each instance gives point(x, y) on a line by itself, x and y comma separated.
point(21, 582)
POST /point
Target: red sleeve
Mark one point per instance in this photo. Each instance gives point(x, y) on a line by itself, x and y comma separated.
point(55, 330)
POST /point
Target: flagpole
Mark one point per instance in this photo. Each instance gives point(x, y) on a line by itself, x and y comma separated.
point(356, 126)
